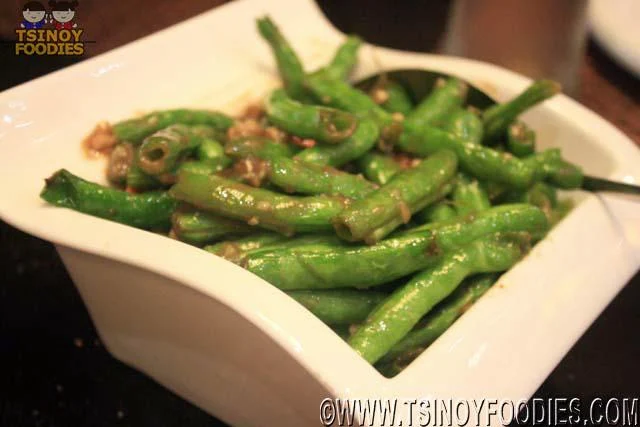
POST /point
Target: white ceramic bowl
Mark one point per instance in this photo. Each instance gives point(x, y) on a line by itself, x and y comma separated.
point(228, 341)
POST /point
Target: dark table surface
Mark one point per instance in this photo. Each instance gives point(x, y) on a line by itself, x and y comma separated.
point(53, 369)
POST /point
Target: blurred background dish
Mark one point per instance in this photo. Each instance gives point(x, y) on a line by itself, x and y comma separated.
point(615, 26)
point(540, 39)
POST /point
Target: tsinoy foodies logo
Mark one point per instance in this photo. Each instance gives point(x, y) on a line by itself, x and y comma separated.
point(49, 32)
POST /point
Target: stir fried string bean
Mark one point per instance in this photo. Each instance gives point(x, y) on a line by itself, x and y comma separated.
point(391, 96)
point(236, 250)
point(394, 203)
point(344, 60)
point(162, 151)
point(487, 163)
point(500, 116)
point(402, 310)
point(309, 121)
point(521, 141)
point(360, 142)
point(339, 306)
point(381, 213)
point(378, 167)
point(340, 265)
point(469, 196)
point(135, 130)
point(289, 65)
point(435, 324)
point(199, 228)
point(259, 207)
point(149, 210)
point(339, 94)
point(445, 97)
point(465, 124)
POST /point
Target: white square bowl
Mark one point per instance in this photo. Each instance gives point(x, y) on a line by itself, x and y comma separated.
point(225, 339)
